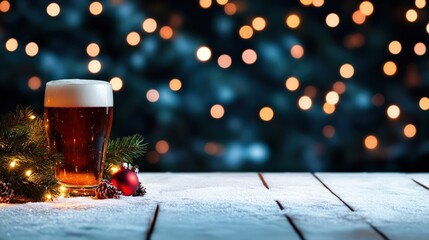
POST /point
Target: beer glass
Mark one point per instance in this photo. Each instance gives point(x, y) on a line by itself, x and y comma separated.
point(78, 118)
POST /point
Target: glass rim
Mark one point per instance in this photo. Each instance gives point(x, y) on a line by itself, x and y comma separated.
point(77, 81)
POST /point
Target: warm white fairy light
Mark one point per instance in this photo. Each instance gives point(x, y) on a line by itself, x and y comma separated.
point(28, 172)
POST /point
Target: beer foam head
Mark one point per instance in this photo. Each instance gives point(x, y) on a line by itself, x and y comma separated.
point(78, 93)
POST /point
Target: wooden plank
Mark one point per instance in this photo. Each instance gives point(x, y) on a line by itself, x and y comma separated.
point(77, 218)
point(314, 210)
point(392, 202)
point(215, 206)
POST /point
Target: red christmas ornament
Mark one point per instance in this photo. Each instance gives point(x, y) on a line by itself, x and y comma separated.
point(126, 180)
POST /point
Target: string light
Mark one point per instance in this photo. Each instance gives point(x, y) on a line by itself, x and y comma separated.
point(204, 54)
point(116, 83)
point(95, 8)
point(28, 173)
point(328, 108)
point(175, 84)
point(217, 111)
point(306, 2)
point(318, 3)
point(427, 28)
point(48, 197)
point(62, 188)
point(266, 114)
point(222, 2)
point(32, 117)
point(12, 164)
point(371, 142)
point(152, 95)
point(11, 44)
point(339, 87)
point(358, 17)
point(53, 9)
point(420, 3)
point(113, 170)
point(205, 3)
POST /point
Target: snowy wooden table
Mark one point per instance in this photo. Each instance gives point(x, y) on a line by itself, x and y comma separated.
point(237, 206)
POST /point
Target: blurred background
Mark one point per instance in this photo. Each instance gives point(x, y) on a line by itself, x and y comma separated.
point(237, 85)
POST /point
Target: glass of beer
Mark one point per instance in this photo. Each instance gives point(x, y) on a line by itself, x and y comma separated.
point(78, 117)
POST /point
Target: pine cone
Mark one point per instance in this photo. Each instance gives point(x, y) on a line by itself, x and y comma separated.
point(6, 192)
point(106, 190)
point(141, 190)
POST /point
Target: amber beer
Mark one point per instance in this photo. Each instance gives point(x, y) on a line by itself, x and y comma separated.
point(78, 118)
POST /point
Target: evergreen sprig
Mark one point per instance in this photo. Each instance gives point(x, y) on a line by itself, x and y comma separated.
point(27, 164)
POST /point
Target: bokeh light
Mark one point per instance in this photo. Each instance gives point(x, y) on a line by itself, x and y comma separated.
point(166, 32)
point(293, 21)
point(328, 108)
point(205, 3)
point(11, 44)
point(310, 91)
point(347, 71)
point(32, 49)
point(378, 100)
point(152, 95)
point(297, 51)
point(292, 84)
point(389, 68)
point(217, 111)
point(133, 38)
point(410, 130)
point(259, 23)
point(306, 2)
point(34, 83)
point(116, 83)
point(332, 97)
point(358, 17)
point(175, 84)
point(424, 103)
point(204, 54)
point(149, 25)
point(162, 146)
point(371, 142)
point(53, 9)
point(328, 131)
point(420, 3)
point(366, 8)
point(94, 66)
point(222, 2)
point(393, 111)
point(305, 102)
point(318, 3)
point(249, 56)
point(230, 9)
point(95, 8)
point(4, 6)
point(332, 20)
point(93, 50)
point(420, 49)
point(266, 114)
point(246, 32)
point(395, 47)
point(339, 87)
point(224, 61)
point(411, 15)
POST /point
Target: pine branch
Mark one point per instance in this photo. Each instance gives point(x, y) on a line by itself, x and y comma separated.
point(123, 150)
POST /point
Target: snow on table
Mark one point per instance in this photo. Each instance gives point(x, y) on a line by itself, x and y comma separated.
point(237, 206)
